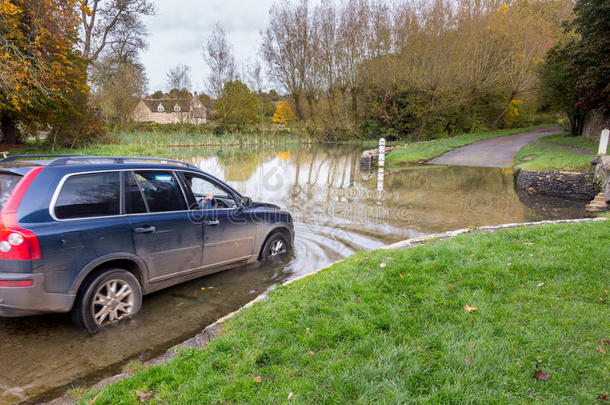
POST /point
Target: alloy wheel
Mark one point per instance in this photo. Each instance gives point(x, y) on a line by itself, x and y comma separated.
point(112, 302)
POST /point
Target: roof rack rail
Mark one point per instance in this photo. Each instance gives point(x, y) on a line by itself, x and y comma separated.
point(57, 160)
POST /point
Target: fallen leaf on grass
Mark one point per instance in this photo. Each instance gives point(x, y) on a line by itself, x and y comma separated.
point(290, 395)
point(144, 397)
point(528, 243)
point(468, 308)
point(602, 397)
point(451, 288)
point(604, 341)
point(258, 379)
point(468, 360)
point(601, 350)
point(603, 300)
point(401, 276)
point(357, 300)
point(311, 353)
point(541, 375)
point(95, 398)
point(459, 277)
point(419, 348)
point(606, 290)
point(382, 265)
point(540, 284)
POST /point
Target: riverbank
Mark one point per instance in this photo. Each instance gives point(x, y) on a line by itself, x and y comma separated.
point(484, 317)
point(560, 166)
point(160, 144)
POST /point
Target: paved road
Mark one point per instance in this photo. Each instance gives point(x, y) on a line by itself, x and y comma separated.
point(496, 152)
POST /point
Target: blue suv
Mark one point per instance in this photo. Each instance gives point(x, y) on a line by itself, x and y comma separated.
point(93, 234)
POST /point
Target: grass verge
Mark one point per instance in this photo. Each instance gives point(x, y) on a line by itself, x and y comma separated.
point(428, 150)
point(363, 332)
point(557, 152)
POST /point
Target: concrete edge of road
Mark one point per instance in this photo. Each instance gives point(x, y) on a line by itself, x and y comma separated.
point(212, 331)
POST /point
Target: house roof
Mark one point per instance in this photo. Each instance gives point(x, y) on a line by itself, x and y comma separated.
point(168, 104)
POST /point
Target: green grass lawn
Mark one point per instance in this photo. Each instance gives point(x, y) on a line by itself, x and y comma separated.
point(428, 150)
point(553, 153)
point(360, 332)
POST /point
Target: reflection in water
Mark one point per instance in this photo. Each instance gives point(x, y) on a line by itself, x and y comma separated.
point(337, 209)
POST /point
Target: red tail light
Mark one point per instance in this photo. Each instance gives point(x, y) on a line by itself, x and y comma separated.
point(15, 242)
point(16, 283)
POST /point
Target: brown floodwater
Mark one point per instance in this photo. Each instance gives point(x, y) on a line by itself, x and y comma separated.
point(338, 210)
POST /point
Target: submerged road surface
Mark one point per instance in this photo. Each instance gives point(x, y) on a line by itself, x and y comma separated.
point(496, 152)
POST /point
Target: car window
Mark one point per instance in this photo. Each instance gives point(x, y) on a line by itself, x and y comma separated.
point(8, 181)
point(161, 191)
point(202, 187)
point(89, 195)
point(134, 200)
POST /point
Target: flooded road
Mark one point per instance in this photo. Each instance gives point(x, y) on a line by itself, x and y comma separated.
point(338, 210)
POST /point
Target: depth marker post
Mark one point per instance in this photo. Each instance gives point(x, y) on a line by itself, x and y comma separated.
point(381, 162)
point(603, 142)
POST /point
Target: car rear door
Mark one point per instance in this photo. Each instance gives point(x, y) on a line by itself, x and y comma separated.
point(163, 234)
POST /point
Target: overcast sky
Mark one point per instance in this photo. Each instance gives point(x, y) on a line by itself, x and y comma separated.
point(180, 29)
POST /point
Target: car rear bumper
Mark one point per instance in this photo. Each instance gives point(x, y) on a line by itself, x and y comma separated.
point(22, 301)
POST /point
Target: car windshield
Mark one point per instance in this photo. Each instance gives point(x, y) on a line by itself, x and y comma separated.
point(8, 181)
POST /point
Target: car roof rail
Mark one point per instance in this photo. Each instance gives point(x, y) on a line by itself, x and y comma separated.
point(59, 160)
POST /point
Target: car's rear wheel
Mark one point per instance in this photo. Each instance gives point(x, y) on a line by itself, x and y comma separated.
point(108, 298)
point(275, 247)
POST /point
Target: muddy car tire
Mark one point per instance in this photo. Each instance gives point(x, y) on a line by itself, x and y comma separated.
point(106, 299)
point(274, 248)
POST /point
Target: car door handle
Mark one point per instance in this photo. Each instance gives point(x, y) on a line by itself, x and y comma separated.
point(145, 229)
point(214, 222)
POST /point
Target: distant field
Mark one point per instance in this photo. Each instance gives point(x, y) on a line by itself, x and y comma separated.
point(160, 144)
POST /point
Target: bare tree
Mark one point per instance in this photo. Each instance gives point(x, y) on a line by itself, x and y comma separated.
point(218, 54)
point(353, 34)
point(179, 78)
point(327, 54)
point(255, 81)
point(286, 48)
point(114, 23)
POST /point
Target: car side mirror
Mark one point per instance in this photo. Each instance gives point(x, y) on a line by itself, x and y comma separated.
point(246, 202)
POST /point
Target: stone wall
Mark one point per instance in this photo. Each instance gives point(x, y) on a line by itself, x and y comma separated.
point(602, 170)
point(593, 124)
point(556, 183)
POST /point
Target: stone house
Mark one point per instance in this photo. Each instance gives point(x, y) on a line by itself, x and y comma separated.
point(171, 111)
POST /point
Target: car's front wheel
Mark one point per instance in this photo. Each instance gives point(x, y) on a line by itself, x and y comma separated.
point(275, 247)
point(108, 298)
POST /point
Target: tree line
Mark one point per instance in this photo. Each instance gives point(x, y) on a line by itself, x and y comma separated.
point(410, 68)
point(404, 69)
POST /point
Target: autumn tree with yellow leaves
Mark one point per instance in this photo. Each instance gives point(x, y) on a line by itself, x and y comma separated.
point(283, 113)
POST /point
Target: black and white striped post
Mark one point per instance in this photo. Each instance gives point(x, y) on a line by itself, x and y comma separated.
point(381, 164)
